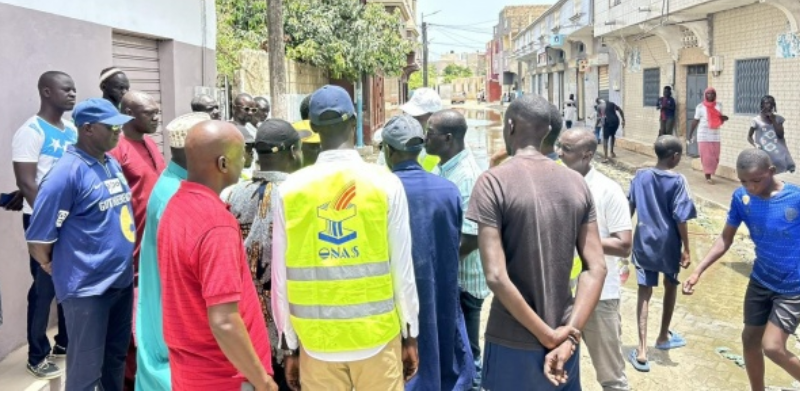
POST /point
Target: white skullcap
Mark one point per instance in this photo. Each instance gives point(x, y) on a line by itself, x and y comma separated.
point(179, 128)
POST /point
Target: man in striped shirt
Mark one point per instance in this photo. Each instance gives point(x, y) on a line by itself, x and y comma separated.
point(445, 138)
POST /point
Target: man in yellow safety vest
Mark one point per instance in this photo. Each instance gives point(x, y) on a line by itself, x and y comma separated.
point(343, 285)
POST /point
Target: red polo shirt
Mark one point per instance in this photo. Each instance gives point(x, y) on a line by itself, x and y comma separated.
point(202, 264)
point(142, 164)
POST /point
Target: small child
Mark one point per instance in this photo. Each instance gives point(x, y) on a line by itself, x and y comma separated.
point(767, 133)
point(770, 209)
point(661, 197)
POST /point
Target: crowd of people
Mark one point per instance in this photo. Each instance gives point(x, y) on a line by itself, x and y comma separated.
point(270, 256)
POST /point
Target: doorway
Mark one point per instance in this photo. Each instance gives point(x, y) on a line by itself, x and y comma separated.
point(696, 84)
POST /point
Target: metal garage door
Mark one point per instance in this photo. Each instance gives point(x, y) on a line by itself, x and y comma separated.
point(602, 82)
point(138, 58)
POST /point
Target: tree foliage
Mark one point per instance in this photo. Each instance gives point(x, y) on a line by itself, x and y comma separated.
point(455, 71)
point(345, 37)
point(241, 24)
point(415, 80)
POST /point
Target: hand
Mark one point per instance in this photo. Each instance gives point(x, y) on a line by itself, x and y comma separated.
point(686, 258)
point(688, 286)
point(47, 267)
point(623, 124)
point(410, 358)
point(725, 118)
point(554, 363)
point(15, 204)
point(561, 334)
point(291, 367)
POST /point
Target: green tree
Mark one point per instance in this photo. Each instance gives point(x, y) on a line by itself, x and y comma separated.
point(455, 71)
point(241, 24)
point(415, 80)
point(345, 37)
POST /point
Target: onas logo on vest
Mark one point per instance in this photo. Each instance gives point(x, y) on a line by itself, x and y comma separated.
point(335, 213)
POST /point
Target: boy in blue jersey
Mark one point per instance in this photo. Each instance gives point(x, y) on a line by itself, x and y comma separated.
point(769, 208)
point(660, 197)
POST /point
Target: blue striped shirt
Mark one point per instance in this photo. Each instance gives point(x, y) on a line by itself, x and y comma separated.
point(463, 171)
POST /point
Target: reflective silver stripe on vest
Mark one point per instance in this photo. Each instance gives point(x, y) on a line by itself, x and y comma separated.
point(331, 273)
point(342, 312)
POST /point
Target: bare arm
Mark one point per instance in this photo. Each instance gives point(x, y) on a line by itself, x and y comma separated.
point(494, 266)
point(590, 281)
point(469, 243)
point(750, 134)
point(618, 244)
point(686, 258)
point(25, 172)
point(621, 114)
point(778, 128)
point(718, 249)
point(693, 129)
point(231, 335)
point(42, 253)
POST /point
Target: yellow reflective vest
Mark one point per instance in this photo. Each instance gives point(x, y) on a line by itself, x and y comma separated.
point(339, 284)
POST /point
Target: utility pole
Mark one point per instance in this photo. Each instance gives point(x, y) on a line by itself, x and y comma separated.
point(424, 53)
point(277, 60)
point(425, 48)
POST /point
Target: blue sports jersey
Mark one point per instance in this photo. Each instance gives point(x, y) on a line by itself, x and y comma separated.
point(83, 208)
point(774, 226)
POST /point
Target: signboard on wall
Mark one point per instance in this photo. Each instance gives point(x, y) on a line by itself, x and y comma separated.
point(787, 46)
point(557, 40)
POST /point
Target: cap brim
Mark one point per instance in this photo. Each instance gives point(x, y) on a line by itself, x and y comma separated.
point(412, 109)
point(116, 120)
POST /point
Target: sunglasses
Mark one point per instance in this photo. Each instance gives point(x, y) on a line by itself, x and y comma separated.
point(248, 109)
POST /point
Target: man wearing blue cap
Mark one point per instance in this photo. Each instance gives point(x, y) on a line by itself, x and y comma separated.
point(83, 220)
point(343, 285)
point(434, 205)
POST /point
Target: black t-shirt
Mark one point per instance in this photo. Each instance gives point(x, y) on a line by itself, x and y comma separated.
point(611, 113)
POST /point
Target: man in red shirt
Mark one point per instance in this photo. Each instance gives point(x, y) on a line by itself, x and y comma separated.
point(213, 326)
point(142, 164)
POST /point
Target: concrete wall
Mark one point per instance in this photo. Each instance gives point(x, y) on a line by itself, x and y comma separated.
point(642, 121)
point(746, 33)
point(80, 45)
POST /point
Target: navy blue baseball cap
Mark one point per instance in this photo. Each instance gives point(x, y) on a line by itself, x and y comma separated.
point(330, 105)
point(98, 110)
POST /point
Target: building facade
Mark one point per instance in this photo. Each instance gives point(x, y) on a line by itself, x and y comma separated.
point(395, 88)
point(743, 48)
point(167, 48)
point(505, 69)
point(563, 57)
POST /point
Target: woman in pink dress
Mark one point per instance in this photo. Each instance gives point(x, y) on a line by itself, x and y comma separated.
point(708, 119)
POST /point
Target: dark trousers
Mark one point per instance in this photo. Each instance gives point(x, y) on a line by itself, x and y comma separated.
point(40, 300)
point(569, 124)
point(471, 306)
point(511, 369)
point(100, 330)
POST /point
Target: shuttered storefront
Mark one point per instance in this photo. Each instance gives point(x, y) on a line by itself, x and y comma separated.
point(138, 58)
point(602, 82)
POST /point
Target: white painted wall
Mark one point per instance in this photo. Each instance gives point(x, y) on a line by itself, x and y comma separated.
point(179, 20)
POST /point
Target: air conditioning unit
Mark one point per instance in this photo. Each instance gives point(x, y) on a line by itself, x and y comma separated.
point(716, 63)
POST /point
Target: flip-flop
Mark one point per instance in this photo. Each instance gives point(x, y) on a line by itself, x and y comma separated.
point(726, 353)
point(675, 341)
point(639, 366)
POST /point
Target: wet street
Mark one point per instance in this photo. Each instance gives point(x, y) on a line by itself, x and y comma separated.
point(710, 320)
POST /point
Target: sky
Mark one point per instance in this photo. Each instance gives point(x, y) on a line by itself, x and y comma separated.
point(469, 23)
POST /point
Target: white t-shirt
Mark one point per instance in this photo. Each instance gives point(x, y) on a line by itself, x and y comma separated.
point(43, 143)
point(570, 112)
point(705, 134)
point(613, 215)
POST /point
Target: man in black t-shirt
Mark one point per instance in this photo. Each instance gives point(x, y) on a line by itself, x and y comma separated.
point(612, 114)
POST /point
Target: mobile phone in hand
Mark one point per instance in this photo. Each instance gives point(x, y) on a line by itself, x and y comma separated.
point(5, 198)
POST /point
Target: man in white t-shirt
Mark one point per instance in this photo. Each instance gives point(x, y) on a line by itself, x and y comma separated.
point(603, 330)
point(36, 146)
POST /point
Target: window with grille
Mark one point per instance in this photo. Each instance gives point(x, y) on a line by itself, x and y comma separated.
point(652, 85)
point(751, 83)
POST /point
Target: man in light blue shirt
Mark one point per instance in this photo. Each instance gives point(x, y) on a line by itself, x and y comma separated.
point(83, 220)
point(445, 138)
point(152, 357)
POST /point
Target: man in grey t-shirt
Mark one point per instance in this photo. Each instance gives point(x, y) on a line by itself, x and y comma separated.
point(532, 215)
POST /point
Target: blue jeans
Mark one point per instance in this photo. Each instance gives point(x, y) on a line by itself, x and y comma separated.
point(471, 306)
point(598, 135)
point(40, 299)
point(100, 329)
point(513, 369)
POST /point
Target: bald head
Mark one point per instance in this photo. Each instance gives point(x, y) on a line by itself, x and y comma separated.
point(214, 154)
point(450, 121)
point(527, 122)
point(753, 159)
point(145, 112)
point(244, 108)
point(57, 92)
point(581, 138)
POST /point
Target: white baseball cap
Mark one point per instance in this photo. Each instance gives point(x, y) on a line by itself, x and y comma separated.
point(425, 100)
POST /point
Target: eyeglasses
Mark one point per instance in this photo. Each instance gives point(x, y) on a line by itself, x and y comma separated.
point(248, 109)
point(111, 128)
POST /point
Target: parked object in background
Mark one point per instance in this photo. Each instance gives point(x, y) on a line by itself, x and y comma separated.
point(459, 98)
